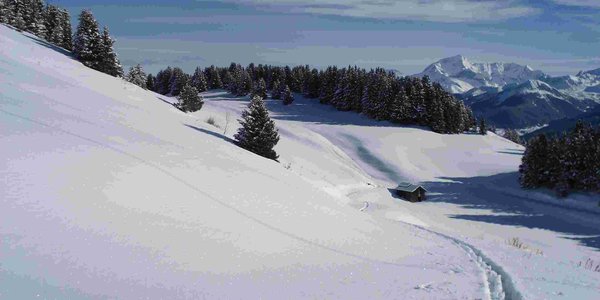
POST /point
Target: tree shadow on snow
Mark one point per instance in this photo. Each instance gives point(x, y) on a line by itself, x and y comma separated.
point(512, 151)
point(215, 94)
point(217, 135)
point(312, 111)
point(489, 193)
point(51, 46)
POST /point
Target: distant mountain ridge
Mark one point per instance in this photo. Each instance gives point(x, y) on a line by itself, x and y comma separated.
point(458, 75)
point(564, 125)
point(515, 96)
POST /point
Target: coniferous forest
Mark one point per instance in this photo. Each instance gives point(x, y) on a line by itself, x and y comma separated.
point(48, 22)
point(568, 163)
point(377, 93)
point(89, 45)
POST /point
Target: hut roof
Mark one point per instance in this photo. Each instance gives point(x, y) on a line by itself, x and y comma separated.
point(409, 187)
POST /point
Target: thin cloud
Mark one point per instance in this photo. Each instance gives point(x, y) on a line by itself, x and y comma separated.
point(580, 3)
point(424, 10)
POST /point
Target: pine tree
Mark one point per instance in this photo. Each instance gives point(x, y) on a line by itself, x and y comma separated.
point(88, 44)
point(177, 81)
point(151, 82)
point(314, 84)
point(258, 133)
point(163, 79)
point(109, 63)
point(199, 80)
point(276, 90)
point(52, 22)
point(513, 135)
point(190, 99)
point(287, 96)
point(34, 18)
point(67, 34)
point(137, 76)
point(534, 168)
point(260, 89)
point(17, 13)
point(482, 127)
point(4, 11)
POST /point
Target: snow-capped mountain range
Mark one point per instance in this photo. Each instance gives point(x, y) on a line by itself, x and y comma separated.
point(513, 95)
point(458, 75)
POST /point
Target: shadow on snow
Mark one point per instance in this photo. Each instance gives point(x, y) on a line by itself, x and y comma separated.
point(487, 193)
point(217, 135)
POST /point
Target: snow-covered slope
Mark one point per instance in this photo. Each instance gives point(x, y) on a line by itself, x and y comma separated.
point(108, 192)
point(458, 75)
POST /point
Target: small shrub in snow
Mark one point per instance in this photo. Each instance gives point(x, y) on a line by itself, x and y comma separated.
point(590, 264)
point(211, 120)
point(517, 243)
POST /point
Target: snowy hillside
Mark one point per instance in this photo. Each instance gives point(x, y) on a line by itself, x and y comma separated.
point(110, 192)
point(458, 75)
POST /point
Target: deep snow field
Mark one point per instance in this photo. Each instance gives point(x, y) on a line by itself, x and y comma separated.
point(108, 191)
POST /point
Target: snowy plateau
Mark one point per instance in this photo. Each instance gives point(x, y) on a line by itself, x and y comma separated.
point(108, 191)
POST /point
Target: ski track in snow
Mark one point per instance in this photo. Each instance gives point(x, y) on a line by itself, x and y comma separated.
point(497, 283)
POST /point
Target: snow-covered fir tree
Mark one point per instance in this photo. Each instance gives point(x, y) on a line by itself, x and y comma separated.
point(4, 11)
point(512, 135)
point(17, 13)
point(109, 62)
point(177, 81)
point(287, 96)
point(199, 80)
point(213, 78)
point(65, 21)
point(257, 132)
point(54, 25)
point(482, 127)
point(190, 99)
point(87, 44)
point(259, 89)
point(137, 76)
point(276, 90)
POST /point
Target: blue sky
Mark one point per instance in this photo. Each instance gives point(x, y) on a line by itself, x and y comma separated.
point(555, 36)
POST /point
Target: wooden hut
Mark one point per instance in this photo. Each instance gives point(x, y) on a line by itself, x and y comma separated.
point(411, 192)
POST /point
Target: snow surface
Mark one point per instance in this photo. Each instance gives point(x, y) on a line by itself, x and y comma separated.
point(110, 192)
